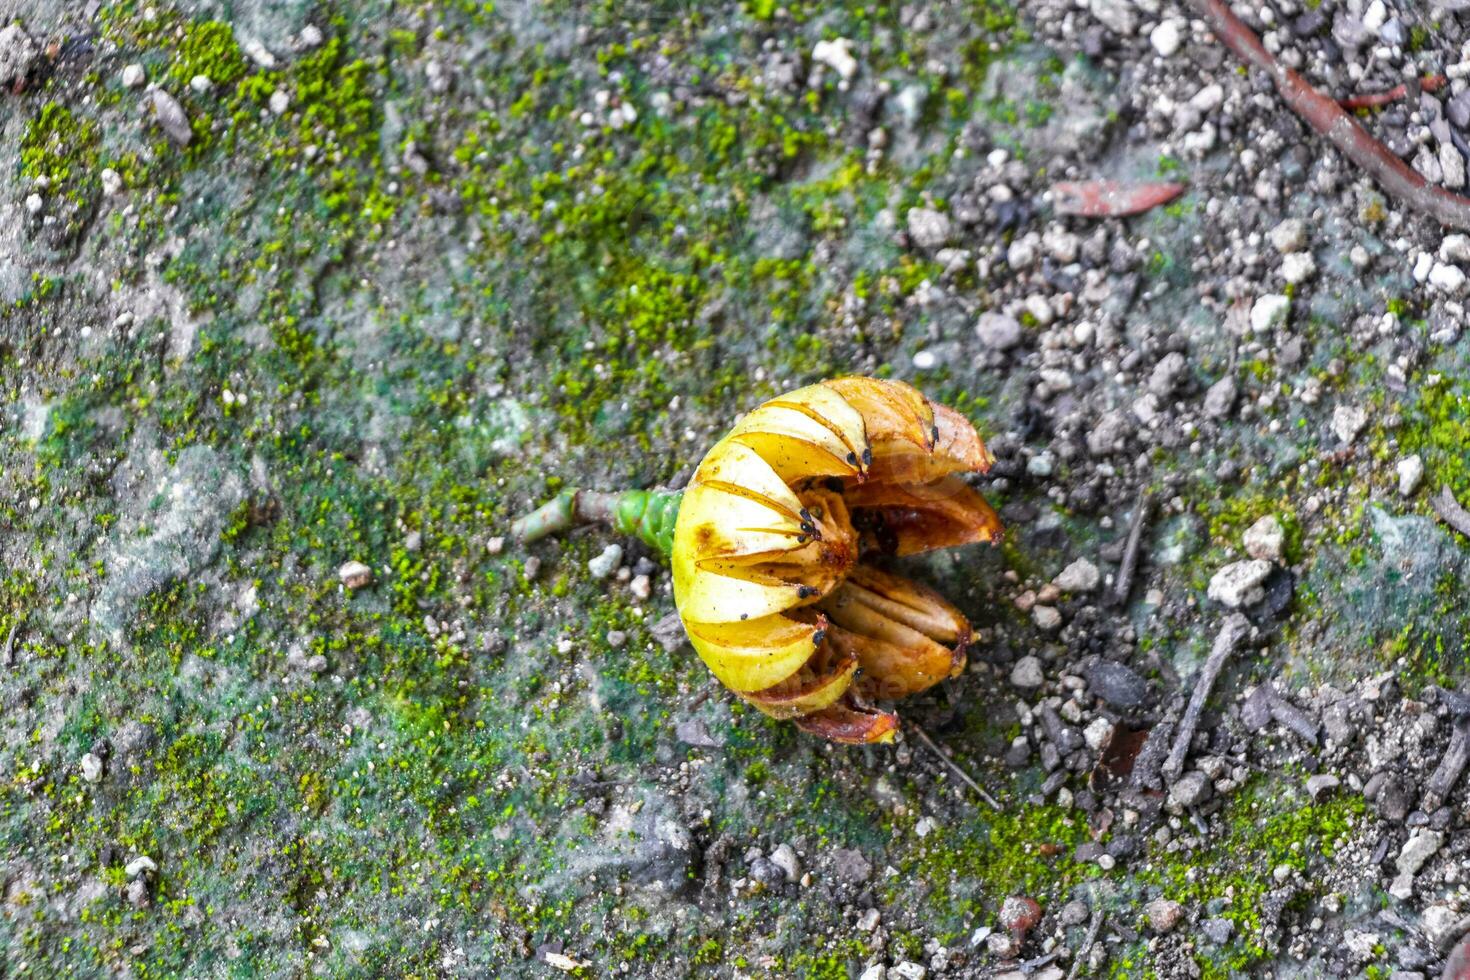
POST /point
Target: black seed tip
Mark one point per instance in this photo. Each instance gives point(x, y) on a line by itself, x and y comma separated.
point(803, 591)
point(806, 515)
point(934, 435)
point(819, 637)
point(867, 457)
point(745, 616)
point(852, 459)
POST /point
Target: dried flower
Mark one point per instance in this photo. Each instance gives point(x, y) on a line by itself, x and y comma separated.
point(767, 550)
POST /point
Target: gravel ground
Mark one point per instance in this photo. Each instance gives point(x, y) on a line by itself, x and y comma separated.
point(301, 304)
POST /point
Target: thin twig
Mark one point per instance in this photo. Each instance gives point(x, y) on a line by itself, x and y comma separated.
point(1451, 765)
point(954, 767)
point(1093, 928)
point(1450, 511)
point(1372, 100)
point(1129, 568)
point(1236, 629)
point(1400, 181)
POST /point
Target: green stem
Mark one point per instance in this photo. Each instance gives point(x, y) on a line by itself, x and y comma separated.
point(648, 515)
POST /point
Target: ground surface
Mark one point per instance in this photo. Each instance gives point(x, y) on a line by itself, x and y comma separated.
point(367, 280)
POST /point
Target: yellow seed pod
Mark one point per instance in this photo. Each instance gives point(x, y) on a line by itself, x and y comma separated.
point(768, 546)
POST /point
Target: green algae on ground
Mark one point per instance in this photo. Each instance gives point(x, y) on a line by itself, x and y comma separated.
point(1438, 429)
point(1231, 875)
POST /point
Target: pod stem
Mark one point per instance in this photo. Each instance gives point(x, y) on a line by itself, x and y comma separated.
point(647, 514)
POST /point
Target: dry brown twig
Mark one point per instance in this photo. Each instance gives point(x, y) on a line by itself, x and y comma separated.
point(954, 767)
point(1372, 100)
point(1400, 181)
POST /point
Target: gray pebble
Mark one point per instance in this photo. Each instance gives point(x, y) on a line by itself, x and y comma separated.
point(998, 331)
point(1191, 789)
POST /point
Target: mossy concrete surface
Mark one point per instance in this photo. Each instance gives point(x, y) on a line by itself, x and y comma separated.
point(420, 266)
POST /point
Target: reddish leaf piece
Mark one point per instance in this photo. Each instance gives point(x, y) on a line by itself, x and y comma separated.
point(1116, 762)
point(1372, 100)
point(1399, 180)
point(1111, 198)
point(848, 722)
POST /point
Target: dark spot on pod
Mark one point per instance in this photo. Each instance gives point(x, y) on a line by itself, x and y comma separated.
point(803, 591)
point(745, 616)
point(867, 456)
point(819, 637)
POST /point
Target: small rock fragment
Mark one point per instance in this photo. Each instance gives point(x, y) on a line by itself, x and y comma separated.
point(171, 118)
point(928, 228)
point(1220, 399)
point(355, 575)
point(1298, 267)
point(1289, 236)
point(1116, 684)
point(837, 55)
point(606, 563)
point(1167, 374)
point(139, 865)
point(1046, 618)
point(1447, 278)
point(1417, 850)
point(1348, 422)
point(133, 76)
point(998, 331)
point(91, 768)
point(1163, 915)
point(849, 865)
point(1109, 434)
point(1411, 474)
point(18, 54)
point(1240, 583)
point(1269, 311)
point(1191, 789)
point(1098, 733)
point(784, 857)
point(1321, 784)
point(137, 893)
point(1166, 37)
point(1265, 539)
point(693, 731)
point(1027, 674)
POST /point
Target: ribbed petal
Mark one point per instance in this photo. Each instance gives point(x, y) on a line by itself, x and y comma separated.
point(957, 448)
point(755, 654)
point(812, 431)
point(893, 413)
point(904, 601)
point(895, 637)
point(899, 519)
point(823, 679)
